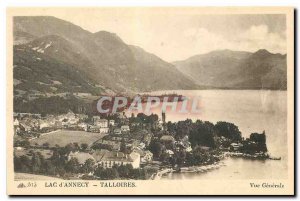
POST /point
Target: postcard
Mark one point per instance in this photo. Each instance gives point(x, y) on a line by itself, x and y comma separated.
point(150, 101)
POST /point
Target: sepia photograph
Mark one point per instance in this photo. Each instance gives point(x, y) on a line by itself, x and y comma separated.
point(118, 100)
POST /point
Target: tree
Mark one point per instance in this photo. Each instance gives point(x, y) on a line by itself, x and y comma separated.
point(124, 170)
point(88, 166)
point(49, 168)
point(202, 134)
point(84, 146)
point(72, 165)
point(156, 147)
point(228, 130)
point(109, 173)
point(123, 147)
point(36, 163)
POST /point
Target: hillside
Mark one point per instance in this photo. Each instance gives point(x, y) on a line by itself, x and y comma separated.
point(228, 69)
point(102, 57)
point(37, 72)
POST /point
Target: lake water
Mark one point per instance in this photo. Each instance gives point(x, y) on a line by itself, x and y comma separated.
point(252, 111)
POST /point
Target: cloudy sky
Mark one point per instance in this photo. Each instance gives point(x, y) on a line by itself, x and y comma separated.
point(174, 35)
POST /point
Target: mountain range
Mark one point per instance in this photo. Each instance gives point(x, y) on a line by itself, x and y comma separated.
point(55, 56)
point(102, 57)
point(226, 69)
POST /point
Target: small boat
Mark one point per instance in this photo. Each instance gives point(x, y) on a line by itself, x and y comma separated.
point(275, 158)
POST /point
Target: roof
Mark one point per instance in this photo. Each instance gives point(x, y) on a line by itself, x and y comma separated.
point(99, 154)
point(115, 156)
point(142, 152)
point(81, 156)
point(167, 138)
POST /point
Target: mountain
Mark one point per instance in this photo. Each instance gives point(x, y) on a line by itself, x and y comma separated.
point(35, 72)
point(101, 57)
point(226, 69)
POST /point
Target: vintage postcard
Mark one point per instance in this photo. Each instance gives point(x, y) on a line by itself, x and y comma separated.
point(150, 101)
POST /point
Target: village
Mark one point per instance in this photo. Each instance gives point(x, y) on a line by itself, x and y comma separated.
point(78, 146)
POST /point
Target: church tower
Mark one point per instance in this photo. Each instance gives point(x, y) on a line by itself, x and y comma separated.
point(163, 116)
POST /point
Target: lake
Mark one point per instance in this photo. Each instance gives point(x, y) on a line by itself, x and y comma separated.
point(252, 111)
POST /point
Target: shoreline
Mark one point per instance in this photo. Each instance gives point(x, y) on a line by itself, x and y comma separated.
point(216, 165)
point(190, 169)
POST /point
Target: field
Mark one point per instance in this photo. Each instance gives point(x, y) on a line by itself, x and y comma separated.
point(64, 137)
point(34, 177)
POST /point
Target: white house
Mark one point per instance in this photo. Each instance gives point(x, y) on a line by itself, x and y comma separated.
point(146, 156)
point(16, 122)
point(103, 123)
point(84, 126)
point(111, 122)
point(95, 119)
point(109, 159)
point(103, 130)
point(118, 131)
point(125, 128)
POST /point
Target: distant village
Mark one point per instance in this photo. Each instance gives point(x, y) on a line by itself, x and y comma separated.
point(121, 147)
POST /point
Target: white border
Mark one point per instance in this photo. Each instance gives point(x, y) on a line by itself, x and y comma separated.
point(78, 3)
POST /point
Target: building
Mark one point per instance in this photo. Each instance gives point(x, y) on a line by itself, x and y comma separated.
point(102, 123)
point(70, 115)
point(103, 130)
point(16, 122)
point(117, 131)
point(167, 138)
point(95, 119)
point(115, 145)
point(111, 122)
point(163, 116)
point(110, 159)
point(125, 128)
point(94, 129)
point(169, 152)
point(16, 126)
point(25, 128)
point(236, 146)
point(83, 126)
point(145, 156)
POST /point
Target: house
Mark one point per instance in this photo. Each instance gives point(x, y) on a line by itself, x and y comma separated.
point(82, 116)
point(111, 122)
point(146, 156)
point(16, 122)
point(70, 115)
point(95, 119)
point(185, 143)
point(44, 124)
point(125, 128)
point(103, 130)
point(83, 126)
point(81, 156)
point(115, 145)
point(16, 126)
point(167, 138)
point(25, 128)
point(170, 152)
point(94, 129)
point(204, 148)
point(117, 131)
point(236, 146)
point(103, 123)
point(110, 159)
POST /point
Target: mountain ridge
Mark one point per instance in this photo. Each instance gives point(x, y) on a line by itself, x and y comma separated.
point(226, 69)
point(111, 62)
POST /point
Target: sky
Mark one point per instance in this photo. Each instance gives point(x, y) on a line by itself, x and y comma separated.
point(177, 35)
